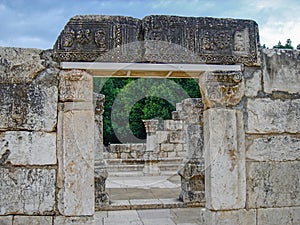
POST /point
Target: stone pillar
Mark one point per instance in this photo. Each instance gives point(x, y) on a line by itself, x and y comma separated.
point(101, 196)
point(192, 172)
point(224, 146)
point(151, 155)
point(75, 145)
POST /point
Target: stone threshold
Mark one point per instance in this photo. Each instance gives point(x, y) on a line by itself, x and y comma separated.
point(137, 204)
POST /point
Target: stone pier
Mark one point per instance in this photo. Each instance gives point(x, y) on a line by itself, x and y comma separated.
point(151, 154)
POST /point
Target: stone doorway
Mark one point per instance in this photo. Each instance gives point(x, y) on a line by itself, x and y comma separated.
point(192, 170)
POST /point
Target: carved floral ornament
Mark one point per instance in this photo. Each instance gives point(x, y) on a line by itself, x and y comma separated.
point(221, 89)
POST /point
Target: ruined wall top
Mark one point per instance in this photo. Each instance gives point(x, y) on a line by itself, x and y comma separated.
point(166, 39)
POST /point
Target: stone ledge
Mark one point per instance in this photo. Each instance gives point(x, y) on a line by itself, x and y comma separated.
point(135, 204)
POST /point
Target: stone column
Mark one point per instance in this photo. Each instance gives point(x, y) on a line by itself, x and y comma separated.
point(75, 145)
point(151, 155)
point(192, 171)
point(101, 196)
point(224, 146)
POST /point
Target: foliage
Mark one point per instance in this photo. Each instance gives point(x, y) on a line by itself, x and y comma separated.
point(288, 45)
point(128, 101)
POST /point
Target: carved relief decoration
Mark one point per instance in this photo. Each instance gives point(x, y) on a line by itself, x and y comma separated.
point(168, 39)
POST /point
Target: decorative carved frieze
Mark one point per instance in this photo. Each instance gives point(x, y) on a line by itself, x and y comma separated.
point(158, 39)
point(221, 88)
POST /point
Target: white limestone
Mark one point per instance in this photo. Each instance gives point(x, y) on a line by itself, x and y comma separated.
point(281, 71)
point(278, 216)
point(76, 163)
point(29, 148)
point(225, 182)
point(6, 220)
point(273, 148)
point(61, 220)
point(273, 116)
point(273, 184)
point(33, 220)
point(235, 217)
point(253, 85)
point(27, 191)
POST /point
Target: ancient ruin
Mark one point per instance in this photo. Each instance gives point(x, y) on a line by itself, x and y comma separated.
point(240, 144)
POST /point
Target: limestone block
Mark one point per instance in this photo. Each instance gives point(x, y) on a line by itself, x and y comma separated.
point(273, 116)
point(236, 217)
point(279, 216)
point(162, 136)
point(220, 89)
point(27, 191)
point(167, 147)
point(59, 220)
point(176, 137)
point(273, 184)
point(19, 65)
point(225, 182)
point(33, 220)
point(29, 148)
point(138, 147)
point(6, 220)
point(281, 70)
point(273, 148)
point(253, 84)
point(173, 125)
point(76, 162)
point(76, 86)
point(194, 141)
point(178, 147)
point(28, 106)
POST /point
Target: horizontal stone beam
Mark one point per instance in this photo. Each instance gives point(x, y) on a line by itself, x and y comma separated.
point(142, 69)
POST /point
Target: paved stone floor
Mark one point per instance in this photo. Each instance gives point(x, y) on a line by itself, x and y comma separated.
point(130, 188)
point(143, 187)
point(181, 216)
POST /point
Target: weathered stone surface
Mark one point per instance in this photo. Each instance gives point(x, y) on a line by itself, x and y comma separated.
point(225, 181)
point(19, 65)
point(33, 220)
point(253, 84)
point(192, 181)
point(281, 70)
point(221, 89)
point(162, 136)
point(273, 184)
point(278, 216)
point(273, 116)
point(158, 39)
point(194, 141)
point(173, 125)
point(176, 137)
point(6, 220)
point(59, 220)
point(76, 162)
point(199, 40)
point(273, 148)
point(28, 106)
point(100, 38)
point(28, 148)
point(27, 191)
point(75, 86)
point(235, 217)
point(167, 147)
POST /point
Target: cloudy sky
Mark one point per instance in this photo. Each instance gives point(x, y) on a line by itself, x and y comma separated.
point(37, 23)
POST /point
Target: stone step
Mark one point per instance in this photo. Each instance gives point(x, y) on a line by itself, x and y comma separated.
point(124, 168)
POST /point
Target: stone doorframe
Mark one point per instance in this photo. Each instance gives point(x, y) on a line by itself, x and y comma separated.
point(222, 89)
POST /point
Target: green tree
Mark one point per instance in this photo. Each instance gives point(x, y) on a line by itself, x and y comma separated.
point(128, 101)
point(288, 45)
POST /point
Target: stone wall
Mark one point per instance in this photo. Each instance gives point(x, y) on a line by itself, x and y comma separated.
point(252, 147)
point(28, 133)
point(251, 130)
point(272, 127)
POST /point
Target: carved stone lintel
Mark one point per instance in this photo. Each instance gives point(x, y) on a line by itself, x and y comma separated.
point(192, 181)
point(221, 88)
point(151, 126)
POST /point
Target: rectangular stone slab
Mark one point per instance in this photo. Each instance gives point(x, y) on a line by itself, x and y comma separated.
point(27, 191)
